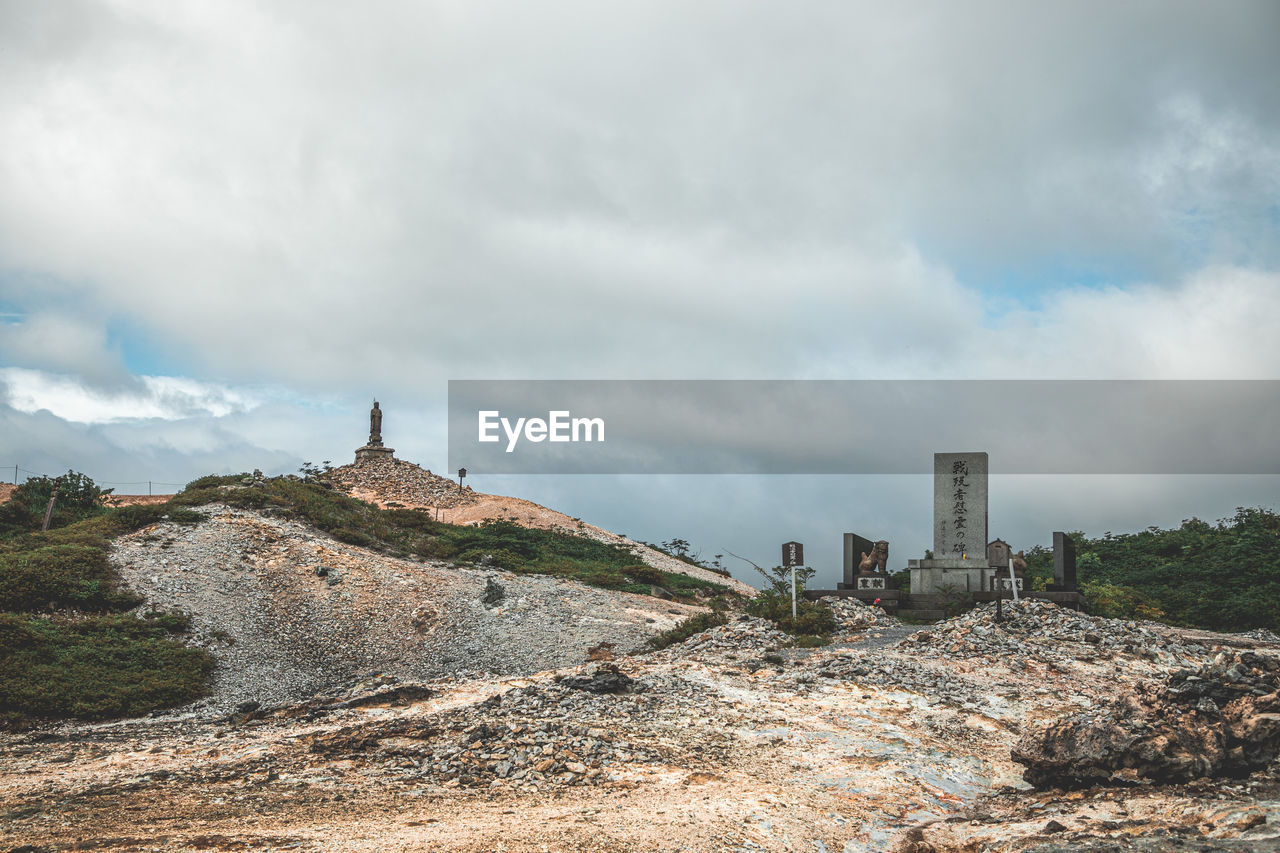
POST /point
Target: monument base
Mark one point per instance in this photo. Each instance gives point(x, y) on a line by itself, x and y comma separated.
point(871, 582)
point(371, 452)
point(949, 575)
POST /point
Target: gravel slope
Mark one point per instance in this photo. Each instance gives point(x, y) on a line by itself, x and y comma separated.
point(289, 611)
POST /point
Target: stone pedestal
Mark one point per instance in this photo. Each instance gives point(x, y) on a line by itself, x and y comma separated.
point(936, 577)
point(370, 451)
point(871, 582)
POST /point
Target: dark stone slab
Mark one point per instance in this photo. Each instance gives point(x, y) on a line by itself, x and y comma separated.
point(1064, 561)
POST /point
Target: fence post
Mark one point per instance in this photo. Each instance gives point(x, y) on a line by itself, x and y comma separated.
point(53, 496)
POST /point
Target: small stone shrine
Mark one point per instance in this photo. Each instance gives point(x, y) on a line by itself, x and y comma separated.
point(999, 555)
point(374, 449)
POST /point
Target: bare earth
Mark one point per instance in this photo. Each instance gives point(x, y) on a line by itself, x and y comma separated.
point(367, 703)
point(891, 738)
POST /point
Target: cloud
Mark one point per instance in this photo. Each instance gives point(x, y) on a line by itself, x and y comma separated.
point(155, 397)
point(323, 198)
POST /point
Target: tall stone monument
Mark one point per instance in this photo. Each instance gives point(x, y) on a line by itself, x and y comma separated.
point(960, 506)
point(959, 561)
point(375, 449)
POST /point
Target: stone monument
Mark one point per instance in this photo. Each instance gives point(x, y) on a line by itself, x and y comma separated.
point(375, 449)
point(1064, 563)
point(959, 562)
point(854, 547)
point(959, 506)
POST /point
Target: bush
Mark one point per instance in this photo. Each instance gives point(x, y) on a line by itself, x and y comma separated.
point(1120, 602)
point(641, 573)
point(78, 498)
point(60, 576)
point(686, 629)
point(94, 668)
point(813, 618)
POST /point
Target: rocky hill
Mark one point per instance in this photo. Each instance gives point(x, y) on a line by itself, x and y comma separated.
point(289, 612)
point(397, 483)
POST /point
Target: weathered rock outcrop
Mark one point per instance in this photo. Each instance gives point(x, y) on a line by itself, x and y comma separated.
point(1220, 720)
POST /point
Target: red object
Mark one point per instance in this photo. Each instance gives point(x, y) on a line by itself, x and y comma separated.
point(877, 601)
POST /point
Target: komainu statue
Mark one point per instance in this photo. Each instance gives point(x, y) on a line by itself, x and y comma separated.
point(877, 561)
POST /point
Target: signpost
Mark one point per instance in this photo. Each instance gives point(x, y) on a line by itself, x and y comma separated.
point(462, 472)
point(792, 556)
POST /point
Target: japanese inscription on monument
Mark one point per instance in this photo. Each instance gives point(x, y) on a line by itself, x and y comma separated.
point(960, 506)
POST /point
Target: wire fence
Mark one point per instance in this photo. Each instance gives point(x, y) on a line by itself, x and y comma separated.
point(150, 484)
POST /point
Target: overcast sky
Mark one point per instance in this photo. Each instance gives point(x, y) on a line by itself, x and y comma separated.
point(225, 227)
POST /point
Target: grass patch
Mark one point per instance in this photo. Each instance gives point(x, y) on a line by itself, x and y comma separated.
point(814, 622)
point(94, 668)
point(75, 576)
point(686, 629)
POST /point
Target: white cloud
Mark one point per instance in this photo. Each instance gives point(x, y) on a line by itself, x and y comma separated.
point(154, 397)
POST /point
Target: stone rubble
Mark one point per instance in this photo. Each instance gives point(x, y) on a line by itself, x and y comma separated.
point(509, 737)
point(1041, 631)
point(1221, 719)
point(854, 616)
point(289, 612)
point(395, 481)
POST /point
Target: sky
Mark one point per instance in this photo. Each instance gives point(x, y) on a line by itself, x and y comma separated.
point(225, 227)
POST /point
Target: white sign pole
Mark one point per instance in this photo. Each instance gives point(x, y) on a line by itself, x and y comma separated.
point(793, 593)
point(1013, 582)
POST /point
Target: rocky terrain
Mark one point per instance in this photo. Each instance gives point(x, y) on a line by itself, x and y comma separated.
point(895, 737)
point(366, 703)
point(289, 612)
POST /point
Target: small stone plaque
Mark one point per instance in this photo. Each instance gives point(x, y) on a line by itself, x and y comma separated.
point(871, 583)
point(1002, 584)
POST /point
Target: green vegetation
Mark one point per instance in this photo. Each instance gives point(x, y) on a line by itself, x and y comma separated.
point(686, 629)
point(680, 549)
point(78, 498)
point(814, 622)
point(94, 667)
point(404, 532)
point(1224, 576)
point(66, 649)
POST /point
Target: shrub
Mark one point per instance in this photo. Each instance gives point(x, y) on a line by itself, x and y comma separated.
point(60, 576)
point(813, 618)
point(686, 629)
point(641, 573)
point(94, 668)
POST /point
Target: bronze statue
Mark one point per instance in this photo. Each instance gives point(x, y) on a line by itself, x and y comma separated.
point(1019, 564)
point(876, 561)
point(375, 426)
